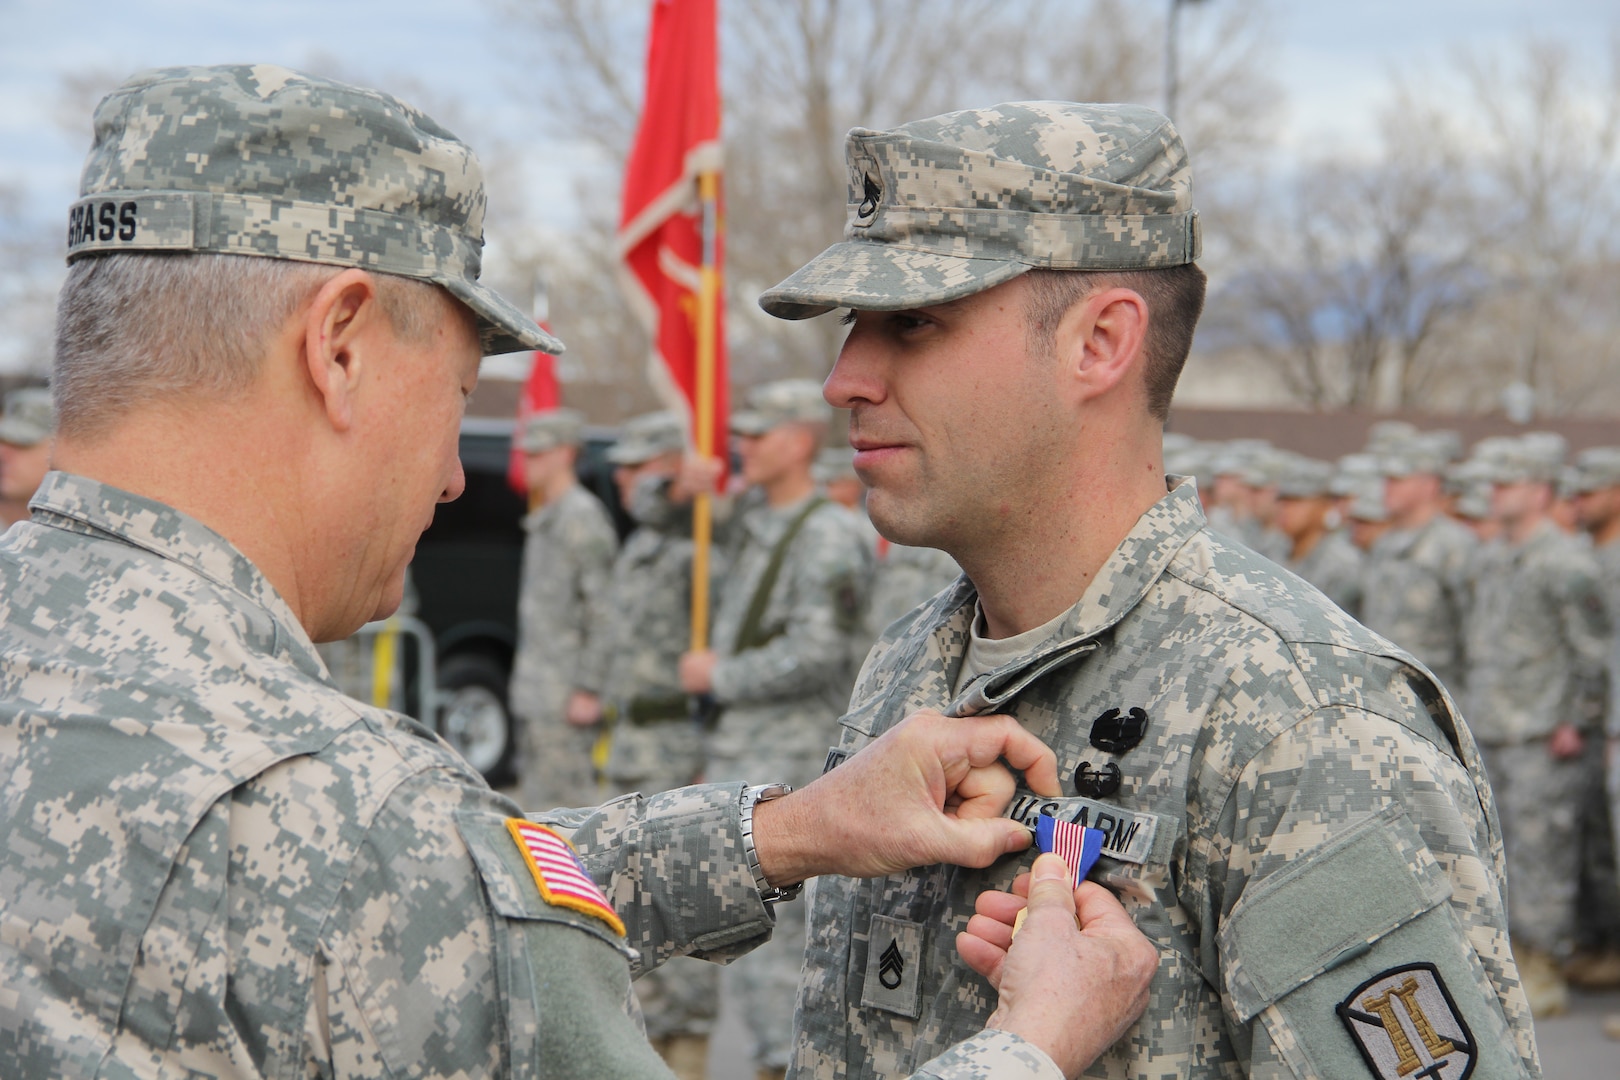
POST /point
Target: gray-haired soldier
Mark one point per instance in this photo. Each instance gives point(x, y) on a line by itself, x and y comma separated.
point(1418, 573)
point(1537, 642)
point(215, 864)
point(1294, 811)
point(568, 548)
point(26, 432)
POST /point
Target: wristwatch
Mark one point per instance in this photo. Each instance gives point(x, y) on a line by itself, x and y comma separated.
point(751, 797)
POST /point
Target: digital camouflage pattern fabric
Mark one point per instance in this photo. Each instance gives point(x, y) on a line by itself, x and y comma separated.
point(644, 626)
point(260, 160)
point(1538, 642)
point(946, 207)
point(1304, 811)
point(568, 550)
point(1334, 565)
point(215, 864)
point(1417, 590)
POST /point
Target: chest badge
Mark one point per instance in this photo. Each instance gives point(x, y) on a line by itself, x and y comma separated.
point(1113, 733)
point(1406, 1025)
point(1096, 783)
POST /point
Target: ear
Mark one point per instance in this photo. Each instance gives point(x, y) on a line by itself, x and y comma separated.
point(1100, 340)
point(339, 329)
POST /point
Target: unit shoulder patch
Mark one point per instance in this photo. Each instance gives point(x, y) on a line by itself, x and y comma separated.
point(1406, 1025)
point(559, 874)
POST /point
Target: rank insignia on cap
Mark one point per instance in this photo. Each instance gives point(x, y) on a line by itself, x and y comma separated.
point(1406, 1025)
point(558, 872)
point(1076, 844)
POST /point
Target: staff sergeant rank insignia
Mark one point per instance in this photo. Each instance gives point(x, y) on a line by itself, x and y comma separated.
point(559, 873)
point(1407, 1026)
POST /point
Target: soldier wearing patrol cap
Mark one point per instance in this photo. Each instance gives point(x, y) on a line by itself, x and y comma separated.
point(1022, 296)
point(26, 430)
point(798, 571)
point(1320, 552)
point(643, 627)
point(217, 864)
point(1417, 573)
point(568, 548)
point(1536, 645)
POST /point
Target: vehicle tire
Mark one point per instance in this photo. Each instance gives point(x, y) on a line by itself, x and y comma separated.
point(473, 716)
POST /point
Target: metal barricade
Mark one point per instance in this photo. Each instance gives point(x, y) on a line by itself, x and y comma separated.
point(372, 666)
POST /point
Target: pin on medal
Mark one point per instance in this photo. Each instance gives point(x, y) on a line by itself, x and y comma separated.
point(1075, 844)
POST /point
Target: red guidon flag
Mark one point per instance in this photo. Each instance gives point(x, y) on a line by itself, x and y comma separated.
point(660, 241)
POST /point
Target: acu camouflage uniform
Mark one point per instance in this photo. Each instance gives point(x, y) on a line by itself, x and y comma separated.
point(655, 744)
point(1334, 565)
point(1304, 813)
point(1416, 593)
point(568, 550)
point(781, 701)
point(1537, 643)
point(1305, 818)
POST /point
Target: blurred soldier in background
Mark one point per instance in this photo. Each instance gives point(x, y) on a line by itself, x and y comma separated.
point(1359, 488)
point(567, 551)
point(781, 665)
point(834, 474)
point(641, 631)
point(1537, 639)
point(1320, 551)
point(1262, 474)
point(26, 432)
point(1416, 575)
point(1597, 510)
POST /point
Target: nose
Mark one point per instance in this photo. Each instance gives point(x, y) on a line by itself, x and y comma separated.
point(457, 485)
point(856, 375)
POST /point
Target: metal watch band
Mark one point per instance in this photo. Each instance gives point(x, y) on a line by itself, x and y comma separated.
point(751, 797)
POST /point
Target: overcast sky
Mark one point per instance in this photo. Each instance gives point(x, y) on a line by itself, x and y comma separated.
point(1332, 60)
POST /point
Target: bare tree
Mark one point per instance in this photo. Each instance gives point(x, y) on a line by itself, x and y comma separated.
point(797, 75)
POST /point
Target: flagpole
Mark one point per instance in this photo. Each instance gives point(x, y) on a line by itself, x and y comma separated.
point(703, 421)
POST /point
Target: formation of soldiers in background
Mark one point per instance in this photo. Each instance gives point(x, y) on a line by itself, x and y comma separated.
point(1497, 568)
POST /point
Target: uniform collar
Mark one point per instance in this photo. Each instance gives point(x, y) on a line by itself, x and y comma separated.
point(91, 508)
point(1125, 578)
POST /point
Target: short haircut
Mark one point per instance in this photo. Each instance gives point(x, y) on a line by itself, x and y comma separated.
point(134, 328)
point(1175, 299)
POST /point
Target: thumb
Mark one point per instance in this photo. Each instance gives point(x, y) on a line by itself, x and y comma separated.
point(1051, 886)
point(978, 842)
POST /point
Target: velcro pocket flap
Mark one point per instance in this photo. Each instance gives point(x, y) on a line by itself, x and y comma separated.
point(1328, 906)
point(510, 884)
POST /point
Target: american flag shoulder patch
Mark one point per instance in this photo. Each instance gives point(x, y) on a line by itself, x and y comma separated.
point(559, 874)
point(1078, 845)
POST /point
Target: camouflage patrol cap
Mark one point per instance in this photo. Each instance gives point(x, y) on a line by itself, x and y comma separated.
point(1386, 434)
point(1532, 458)
point(946, 207)
point(785, 401)
point(1598, 468)
point(1421, 453)
point(549, 430)
point(30, 417)
point(648, 436)
point(1301, 477)
point(260, 160)
point(1359, 479)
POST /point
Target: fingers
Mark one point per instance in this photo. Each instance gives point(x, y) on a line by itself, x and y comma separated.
point(978, 842)
point(1003, 738)
point(982, 956)
point(993, 931)
point(999, 905)
point(1051, 892)
point(1099, 911)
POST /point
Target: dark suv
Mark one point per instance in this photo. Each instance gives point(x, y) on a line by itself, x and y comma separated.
point(466, 572)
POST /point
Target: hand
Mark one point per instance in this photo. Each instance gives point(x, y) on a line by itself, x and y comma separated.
point(1070, 989)
point(696, 475)
point(697, 671)
point(1566, 742)
point(583, 710)
point(932, 789)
